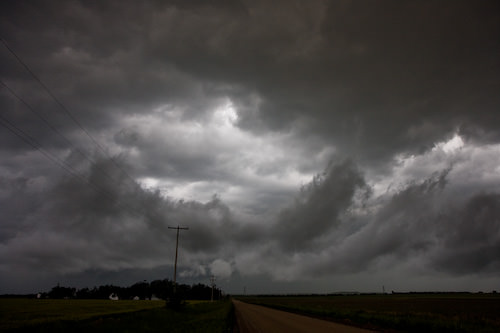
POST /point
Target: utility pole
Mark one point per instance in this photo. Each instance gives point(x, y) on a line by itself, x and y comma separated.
point(212, 282)
point(176, 250)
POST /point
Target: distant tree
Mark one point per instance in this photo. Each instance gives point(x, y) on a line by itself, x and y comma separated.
point(62, 292)
point(200, 291)
point(141, 289)
point(84, 293)
point(103, 292)
point(162, 288)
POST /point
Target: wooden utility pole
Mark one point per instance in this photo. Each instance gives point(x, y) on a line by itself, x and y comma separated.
point(176, 250)
point(212, 282)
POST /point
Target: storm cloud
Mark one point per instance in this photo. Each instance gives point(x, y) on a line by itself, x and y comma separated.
point(342, 143)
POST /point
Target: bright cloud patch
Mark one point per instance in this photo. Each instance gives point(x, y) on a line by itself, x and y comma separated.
point(221, 268)
point(194, 158)
point(428, 208)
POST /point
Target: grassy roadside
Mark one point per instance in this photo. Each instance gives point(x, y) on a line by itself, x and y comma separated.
point(31, 312)
point(195, 317)
point(389, 313)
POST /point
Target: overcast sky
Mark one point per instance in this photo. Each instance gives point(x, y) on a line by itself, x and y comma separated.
point(309, 146)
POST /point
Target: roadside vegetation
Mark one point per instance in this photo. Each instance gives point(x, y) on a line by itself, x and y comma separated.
point(33, 315)
point(460, 312)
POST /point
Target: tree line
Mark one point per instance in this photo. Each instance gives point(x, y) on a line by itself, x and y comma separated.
point(158, 289)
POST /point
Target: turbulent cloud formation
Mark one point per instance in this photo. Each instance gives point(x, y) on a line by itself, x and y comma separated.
point(309, 146)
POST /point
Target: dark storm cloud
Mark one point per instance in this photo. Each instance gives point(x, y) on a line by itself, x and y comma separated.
point(351, 70)
point(111, 224)
point(472, 238)
point(404, 66)
point(95, 69)
point(317, 209)
point(250, 99)
point(421, 224)
point(406, 225)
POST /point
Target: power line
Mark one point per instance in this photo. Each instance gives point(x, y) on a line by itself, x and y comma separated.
point(33, 143)
point(62, 164)
point(55, 130)
point(45, 121)
point(65, 109)
point(48, 91)
point(47, 154)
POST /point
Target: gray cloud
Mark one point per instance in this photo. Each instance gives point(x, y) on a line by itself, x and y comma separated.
point(72, 227)
point(422, 223)
point(222, 114)
point(341, 66)
point(319, 206)
point(471, 239)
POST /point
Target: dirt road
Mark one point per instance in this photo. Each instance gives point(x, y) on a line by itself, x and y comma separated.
point(253, 318)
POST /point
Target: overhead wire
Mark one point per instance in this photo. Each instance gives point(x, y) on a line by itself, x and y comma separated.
point(62, 164)
point(54, 129)
point(66, 111)
point(65, 166)
point(33, 142)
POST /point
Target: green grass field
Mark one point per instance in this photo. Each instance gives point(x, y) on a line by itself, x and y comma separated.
point(112, 316)
point(400, 312)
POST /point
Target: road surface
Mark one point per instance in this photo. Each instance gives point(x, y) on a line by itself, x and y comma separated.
point(254, 318)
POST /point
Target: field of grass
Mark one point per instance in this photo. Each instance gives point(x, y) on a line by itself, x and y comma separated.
point(400, 312)
point(18, 315)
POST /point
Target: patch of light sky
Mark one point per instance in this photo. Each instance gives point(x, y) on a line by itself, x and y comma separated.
point(247, 161)
point(468, 163)
point(251, 161)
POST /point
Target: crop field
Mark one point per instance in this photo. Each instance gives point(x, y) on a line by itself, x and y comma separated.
point(399, 312)
point(18, 315)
